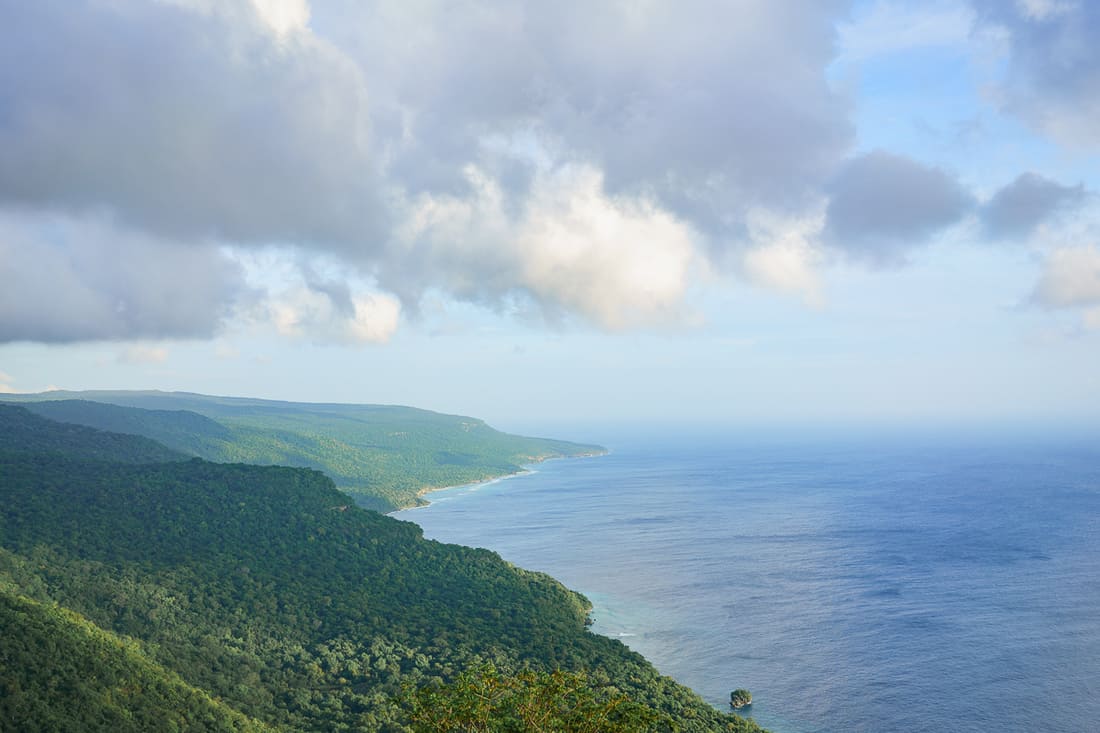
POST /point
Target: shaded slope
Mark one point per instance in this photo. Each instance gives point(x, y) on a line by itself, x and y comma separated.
point(181, 430)
point(21, 431)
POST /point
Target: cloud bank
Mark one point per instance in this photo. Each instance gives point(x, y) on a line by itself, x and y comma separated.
point(567, 159)
point(1071, 278)
point(571, 162)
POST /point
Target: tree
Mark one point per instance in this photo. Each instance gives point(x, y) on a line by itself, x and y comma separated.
point(739, 698)
point(485, 700)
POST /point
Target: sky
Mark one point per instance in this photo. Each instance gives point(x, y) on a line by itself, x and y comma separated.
point(747, 212)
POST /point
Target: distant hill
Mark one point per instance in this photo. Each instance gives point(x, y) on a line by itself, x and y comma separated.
point(385, 456)
point(21, 430)
point(192, 595)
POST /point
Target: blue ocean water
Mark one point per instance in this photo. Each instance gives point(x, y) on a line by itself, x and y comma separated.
point(852, 585)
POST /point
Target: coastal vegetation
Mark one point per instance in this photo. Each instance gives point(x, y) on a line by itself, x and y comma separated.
point(484, 700)
point(384, 456)
point(145, 590)
point(739, 698)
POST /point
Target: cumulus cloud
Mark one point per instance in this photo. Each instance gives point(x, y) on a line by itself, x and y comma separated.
point(705, 105)
point(82, 278)
point(883, 205)
point(281, 16)
point(184, 123)
point(1052, 80)
point(785, 257)
point(570, 159)
point(312, 298)
point(350, 130)
point(1017, 209)
point(316, 315)
point(1070, 278)
point(569, 248)
point(5, 384)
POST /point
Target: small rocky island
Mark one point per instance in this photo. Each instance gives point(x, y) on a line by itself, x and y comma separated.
point(739, 698)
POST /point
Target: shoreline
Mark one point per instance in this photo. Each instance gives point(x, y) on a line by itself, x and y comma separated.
point(471, 485)
point(622, 636)
point(524, 470)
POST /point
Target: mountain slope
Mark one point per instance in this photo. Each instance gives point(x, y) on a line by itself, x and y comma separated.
point(60, 672)
point(262, 588)
point(23, 431)
point(384, 456)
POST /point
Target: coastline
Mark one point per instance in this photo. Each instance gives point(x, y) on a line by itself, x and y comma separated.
point(524, 470)
point(608, 625)
point(472, 485)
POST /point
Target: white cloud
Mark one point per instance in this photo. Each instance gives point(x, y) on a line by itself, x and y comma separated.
point(284, 15)
point(1070, 278)
point(5, 384)
point(619, 261)
point(310, 314)
point(376, 318)
point(280, 16)
point(144, 354)
point(307, 296)
point(785, 257)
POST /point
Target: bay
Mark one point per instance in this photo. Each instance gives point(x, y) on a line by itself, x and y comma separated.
point(852, 584)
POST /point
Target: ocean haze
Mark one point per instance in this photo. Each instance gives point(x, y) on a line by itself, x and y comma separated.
point(851, 584)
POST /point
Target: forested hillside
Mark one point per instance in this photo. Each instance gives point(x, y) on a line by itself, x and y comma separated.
point(252, 593)
point(23, 431)
point(384, 456)
point(60, 672)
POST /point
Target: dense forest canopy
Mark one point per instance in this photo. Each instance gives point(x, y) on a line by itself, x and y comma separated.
point(233, 597)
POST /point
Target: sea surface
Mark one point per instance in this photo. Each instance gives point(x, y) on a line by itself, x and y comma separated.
point(852, 584)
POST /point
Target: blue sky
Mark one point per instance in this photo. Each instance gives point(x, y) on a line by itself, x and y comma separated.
point(553, 214)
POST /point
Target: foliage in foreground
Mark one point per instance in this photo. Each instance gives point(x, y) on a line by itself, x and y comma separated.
point(484, 700)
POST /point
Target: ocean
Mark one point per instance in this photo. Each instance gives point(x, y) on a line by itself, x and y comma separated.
point(869, 583)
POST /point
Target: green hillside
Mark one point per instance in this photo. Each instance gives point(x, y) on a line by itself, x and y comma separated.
point(263, 590)
point(22, 431)
point(60, 672)
point(384, 456)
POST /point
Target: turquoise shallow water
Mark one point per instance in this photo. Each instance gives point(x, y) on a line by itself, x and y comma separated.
point(852, 585)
